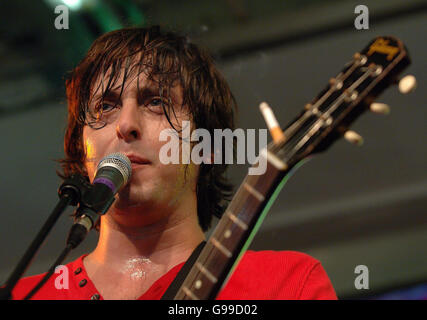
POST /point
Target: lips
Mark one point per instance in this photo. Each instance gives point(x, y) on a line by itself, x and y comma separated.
point(137, 161)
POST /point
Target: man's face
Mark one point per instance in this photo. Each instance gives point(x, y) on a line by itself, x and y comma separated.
point(133, 128)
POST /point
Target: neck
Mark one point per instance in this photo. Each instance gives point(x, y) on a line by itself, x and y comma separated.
point(164, 243)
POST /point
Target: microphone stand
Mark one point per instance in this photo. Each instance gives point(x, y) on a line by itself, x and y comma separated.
point(69, 193)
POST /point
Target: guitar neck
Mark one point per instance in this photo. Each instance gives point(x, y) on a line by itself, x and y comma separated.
point(232, 234)
point(320, 123)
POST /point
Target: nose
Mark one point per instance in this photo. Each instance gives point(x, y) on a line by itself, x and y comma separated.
point(128, 125)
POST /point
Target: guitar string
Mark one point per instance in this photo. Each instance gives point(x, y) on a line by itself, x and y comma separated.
point(219, 230)
point(210, 249)
point(222, 226)
point(379, 73)
point(340, 77)
point(292, 146)
point(218, 233)
point(328, 111)
point(320, 121)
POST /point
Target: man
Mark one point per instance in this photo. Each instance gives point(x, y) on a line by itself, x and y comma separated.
point(133, 84)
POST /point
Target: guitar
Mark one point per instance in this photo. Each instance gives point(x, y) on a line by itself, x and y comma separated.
point(322, 121)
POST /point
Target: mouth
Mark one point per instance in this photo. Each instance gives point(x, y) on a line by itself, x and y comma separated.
point(137, 161)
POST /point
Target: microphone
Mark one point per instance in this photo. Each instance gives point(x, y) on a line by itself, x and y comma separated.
point(113, 173)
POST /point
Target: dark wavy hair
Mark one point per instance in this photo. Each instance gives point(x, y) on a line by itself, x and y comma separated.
point(169, 59)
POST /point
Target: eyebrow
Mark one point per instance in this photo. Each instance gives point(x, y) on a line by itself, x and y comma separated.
point(143, 92)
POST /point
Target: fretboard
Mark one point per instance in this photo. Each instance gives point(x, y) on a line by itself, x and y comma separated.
point(322, 121)
point(232, 234)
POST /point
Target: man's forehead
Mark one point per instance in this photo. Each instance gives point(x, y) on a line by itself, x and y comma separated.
point(141, 80)
point(103, 82)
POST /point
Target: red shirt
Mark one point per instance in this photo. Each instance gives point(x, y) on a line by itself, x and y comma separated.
point(260, 275)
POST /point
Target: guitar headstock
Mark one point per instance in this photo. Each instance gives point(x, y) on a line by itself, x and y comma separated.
point(353, 91)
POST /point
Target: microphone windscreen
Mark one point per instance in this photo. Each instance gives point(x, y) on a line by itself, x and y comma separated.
point(114, 171)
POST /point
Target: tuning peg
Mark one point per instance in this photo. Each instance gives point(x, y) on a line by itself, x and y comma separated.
point(407, 84)
point(380, 108)
point(353, 137)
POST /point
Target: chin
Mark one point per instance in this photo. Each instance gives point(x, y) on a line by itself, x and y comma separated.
point(124, 202)
point(133, 196)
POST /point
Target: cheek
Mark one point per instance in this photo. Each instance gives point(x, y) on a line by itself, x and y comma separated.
point(185, 178)
point(174, 182)
point(90, 149)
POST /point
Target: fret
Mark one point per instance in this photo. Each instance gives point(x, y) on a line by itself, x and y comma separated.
point(275, 161)
point(228, 233)
point(236, 220)
point(221, 248)
point(202, 281)
point(254, 192)
point(189, 293)
point(313, 131)
point(206, 272)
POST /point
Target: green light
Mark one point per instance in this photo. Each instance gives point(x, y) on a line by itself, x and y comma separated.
point(73, 4)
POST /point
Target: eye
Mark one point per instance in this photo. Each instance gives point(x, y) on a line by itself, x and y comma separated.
point(102, 112)
point(105, 107)
point(156, 104)
point(157, 101)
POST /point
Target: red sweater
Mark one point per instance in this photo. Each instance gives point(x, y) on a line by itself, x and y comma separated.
point(260, 275)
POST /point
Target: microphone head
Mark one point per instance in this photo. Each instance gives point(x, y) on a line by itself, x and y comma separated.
point(120, 162)
point(113, 172)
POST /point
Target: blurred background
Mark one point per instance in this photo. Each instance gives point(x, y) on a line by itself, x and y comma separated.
point(347, 207)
